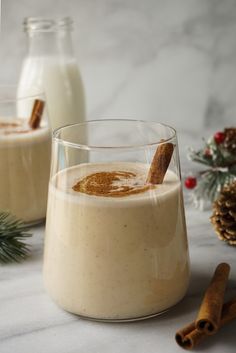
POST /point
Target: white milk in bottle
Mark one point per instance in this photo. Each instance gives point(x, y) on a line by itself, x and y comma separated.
point(51, 67)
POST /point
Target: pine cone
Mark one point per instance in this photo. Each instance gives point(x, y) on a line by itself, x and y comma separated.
point(230, 139)
point(224, 214)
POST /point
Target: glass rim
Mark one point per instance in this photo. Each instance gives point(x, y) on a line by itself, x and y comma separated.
point(47, 24)
point(87, 147)
point(13, 89)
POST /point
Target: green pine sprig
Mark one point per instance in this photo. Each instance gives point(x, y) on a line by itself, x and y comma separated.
point(13, 233)
point(218, 156)
point(220, 169)
point(210, 184)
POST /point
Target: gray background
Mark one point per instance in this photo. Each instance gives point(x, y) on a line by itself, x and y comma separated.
point(167, 60)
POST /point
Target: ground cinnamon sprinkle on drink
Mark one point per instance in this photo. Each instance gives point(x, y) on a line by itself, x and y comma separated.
point(10, 132)
point(6, 125)
point(106, 184)
point(9, 128)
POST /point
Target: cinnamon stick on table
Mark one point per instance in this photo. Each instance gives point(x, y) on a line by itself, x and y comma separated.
point(209, 316)
point(189, 337)
point(160, 163)
point(36, 115)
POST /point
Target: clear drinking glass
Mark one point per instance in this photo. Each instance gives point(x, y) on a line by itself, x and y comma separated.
point(25, 155)
point(116, 246)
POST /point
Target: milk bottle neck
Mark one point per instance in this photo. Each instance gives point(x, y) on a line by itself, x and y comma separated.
point(47, 44)
point(49, 37)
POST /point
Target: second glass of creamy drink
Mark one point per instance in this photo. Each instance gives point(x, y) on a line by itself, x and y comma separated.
point(25, 154)
point(116, 245)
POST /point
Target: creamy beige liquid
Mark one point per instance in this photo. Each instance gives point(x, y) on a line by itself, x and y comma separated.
point(24, 169)
point(111, 257)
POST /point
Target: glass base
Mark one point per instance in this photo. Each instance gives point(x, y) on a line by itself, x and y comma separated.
point(139, 318)
point(132, 319)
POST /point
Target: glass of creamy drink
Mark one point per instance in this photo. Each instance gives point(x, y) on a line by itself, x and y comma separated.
point(116, 245)
point(25, 154)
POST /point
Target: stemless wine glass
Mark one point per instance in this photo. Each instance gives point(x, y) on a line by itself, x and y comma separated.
point(116, 246)
point(25, 155)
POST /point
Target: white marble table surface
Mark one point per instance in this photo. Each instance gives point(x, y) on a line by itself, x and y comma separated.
point(31, 322)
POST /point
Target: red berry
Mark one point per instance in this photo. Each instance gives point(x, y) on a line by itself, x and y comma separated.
point(219, 137)
point(208, 153)
point(190, 182)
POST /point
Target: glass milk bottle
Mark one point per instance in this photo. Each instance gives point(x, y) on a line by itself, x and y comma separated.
point(50, 66)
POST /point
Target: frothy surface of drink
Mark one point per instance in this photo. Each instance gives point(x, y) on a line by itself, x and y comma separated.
point(110, 182)
point(14, 126)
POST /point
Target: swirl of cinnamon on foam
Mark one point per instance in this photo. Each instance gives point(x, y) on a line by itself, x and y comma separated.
point(110, 184)
point(14, 127)
point(4, 125)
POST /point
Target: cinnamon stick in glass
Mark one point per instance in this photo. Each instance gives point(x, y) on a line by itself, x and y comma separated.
point(36, 115)
point(189, 337)
point(160, 163)
point(208, 319)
